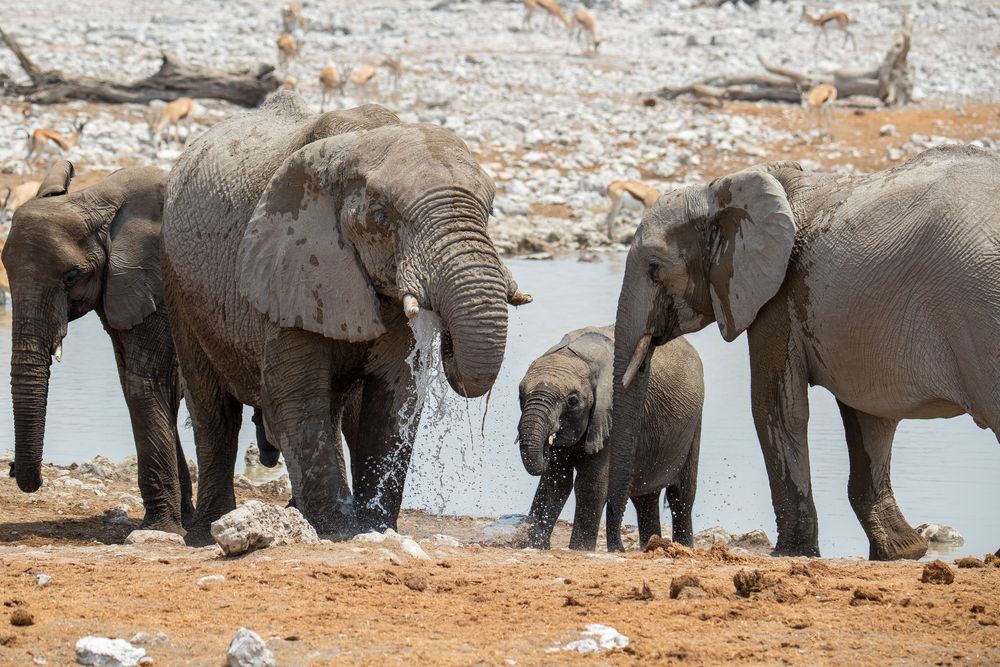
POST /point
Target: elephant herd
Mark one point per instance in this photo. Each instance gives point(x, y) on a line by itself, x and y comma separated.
point(279, 262)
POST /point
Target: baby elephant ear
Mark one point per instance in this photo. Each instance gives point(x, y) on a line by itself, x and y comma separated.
point(298, 265)
point(56, 182)
point(751, 234)
point(598, 351)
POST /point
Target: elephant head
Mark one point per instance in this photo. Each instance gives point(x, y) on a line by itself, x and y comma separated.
point(701, 254)
point(565, 399)
point(68, 254)
point(393, 215)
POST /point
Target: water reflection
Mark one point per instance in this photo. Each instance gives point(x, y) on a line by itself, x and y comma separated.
point(465, 463)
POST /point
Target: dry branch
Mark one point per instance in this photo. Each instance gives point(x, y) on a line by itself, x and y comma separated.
point(891, 81)
point(245, 87)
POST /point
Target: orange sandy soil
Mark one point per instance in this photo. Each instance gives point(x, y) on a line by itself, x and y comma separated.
point(351, 603)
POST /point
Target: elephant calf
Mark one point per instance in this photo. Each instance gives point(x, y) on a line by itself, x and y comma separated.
point(98, 249)
point(566, 418)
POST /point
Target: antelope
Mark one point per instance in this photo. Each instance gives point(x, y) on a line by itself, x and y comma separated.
point(329, 81)
point(551, 7)
point(631, 193)
point(171, 116)
point(583, 22)
point(819, 100)
point(289, 83)
point(361, 78)
point(291, 17)
point(288, 49)
point(48, 141)
point(395, 66)
point(18, 195)
point(830, 21)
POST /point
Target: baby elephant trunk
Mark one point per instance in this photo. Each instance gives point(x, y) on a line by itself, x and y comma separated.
point(534, 432)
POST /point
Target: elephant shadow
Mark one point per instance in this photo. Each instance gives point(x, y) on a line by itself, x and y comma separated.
point(76, 531)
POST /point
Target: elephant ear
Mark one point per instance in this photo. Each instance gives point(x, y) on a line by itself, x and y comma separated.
point(598, 351)
point(297, 263)
point(57, 180)
point(132, 287)
point(751, 234)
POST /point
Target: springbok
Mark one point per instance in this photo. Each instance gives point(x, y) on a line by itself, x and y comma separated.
point(171, 116)
point(631, 193)
point(329, 81)
point(395, 66)
point(584, 25)
point(830, 21)
point(288, 49)
point(361, 78)
point(819, 101)
point(552, 11)
point(291, 17)
point(48, 142)
point(16, 196)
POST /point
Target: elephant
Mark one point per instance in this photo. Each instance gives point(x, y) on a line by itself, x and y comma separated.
point(98, 249)
point(882, 288)
point(296, 248)
point(566, 398)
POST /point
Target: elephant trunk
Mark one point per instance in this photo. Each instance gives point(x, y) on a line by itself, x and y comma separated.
point(468, 289)
point(632, 353)
point(533, 431)
point(29, 382)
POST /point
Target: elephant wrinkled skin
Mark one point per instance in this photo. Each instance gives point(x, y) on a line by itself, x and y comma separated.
point(883, 288)
point(98, 249)
point(292, 243)
point(566, 417)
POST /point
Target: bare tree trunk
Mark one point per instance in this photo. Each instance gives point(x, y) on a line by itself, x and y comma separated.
point(245, 87)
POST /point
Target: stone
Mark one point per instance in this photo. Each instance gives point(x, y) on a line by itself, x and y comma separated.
point(937, 572)
point(597, 637)
point(248, 650)
point(147, 638)
point(750, 581)
point(706, 538)
point(936, 533)
point(204, 582)
point(258, 525)
point(21, 618)
point(42, 580)
point(969, 562)
point(755, 540)
point(252, 456)
point(887, 130)
point(105, 652)
point(679, 584)
point(153, 537)
point(866, 594)
point(101, 468)
point(391, 538)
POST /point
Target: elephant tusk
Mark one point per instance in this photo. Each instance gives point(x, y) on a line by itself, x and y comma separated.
point(638, 357)
point(552, 438)
point(410, 306)
point(58, 353)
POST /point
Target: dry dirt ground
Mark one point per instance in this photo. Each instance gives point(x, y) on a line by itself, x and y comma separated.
point(358, 603)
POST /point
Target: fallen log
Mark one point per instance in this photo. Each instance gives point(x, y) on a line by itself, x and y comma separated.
point(891, 81)
point(246, 87)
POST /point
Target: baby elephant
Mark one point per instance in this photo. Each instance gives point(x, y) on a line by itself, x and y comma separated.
point(566, 418)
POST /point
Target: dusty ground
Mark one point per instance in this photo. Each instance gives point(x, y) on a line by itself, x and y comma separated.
point(355, 603)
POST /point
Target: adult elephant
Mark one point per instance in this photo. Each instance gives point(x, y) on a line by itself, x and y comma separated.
point(881, 288)
point(98, 249)
point(293, 242)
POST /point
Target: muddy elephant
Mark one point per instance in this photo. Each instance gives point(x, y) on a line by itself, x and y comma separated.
point(881, 288)
point(296, 246)
point(98, 249)
point(565, 420)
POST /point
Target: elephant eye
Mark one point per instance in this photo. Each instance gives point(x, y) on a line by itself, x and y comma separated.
point(654, 270)
point(71, 277)
point(573, 402)
point(380, 215)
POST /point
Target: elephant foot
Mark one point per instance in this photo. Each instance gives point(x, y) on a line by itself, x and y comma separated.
point(199, 536)
point(162, 524)
point(615, 543)
point(188, 516)
point(903, 544)
point(792, 548)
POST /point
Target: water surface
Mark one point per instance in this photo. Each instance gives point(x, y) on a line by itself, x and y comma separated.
point(944, 471)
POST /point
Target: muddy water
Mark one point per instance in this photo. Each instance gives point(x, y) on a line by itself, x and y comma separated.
point(944, 471)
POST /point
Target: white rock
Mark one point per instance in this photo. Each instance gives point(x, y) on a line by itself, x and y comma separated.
point(258, 525)
point(409, 547)
point(42, 580)
point(146, 638)
point(596, 638)
point(887, 130)
point(248, 650)
point(939, 534)
point(105, 652)
point(204, 582)
point(153, 536)
point(705, 539)
point(446, 541)
point(101, 468)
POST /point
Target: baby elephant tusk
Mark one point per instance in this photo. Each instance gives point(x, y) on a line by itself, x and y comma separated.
point(638, 357)
point(58, 353)
point(410, 306)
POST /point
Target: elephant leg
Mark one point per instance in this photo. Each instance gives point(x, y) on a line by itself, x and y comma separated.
point(148, 374)
point(269, 454)
point(680, 495)
point(591, 489)
point(187, 496)
point(647, 510)
point(554, 487)
point(296, 395)
point(780, 406)
point(869, 445)
point(216, 417)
